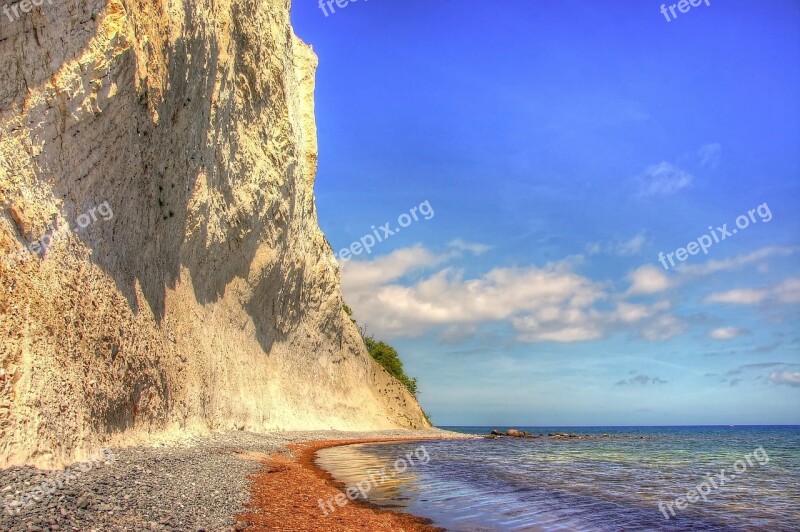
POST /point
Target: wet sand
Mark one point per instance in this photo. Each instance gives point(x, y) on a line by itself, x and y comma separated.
point(285, 496)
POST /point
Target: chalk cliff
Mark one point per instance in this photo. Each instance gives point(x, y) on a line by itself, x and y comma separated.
point(159, 158)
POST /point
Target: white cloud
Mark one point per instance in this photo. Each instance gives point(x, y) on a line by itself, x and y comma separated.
point(446, 298)
point(789, 378)
point(621, 248)
point(738, 297)
point(786, 292)
point(648, 279)
point(664, 328)
point(663, 179)
point(551, 303)
point(633, 313)
point(412, 291)
point(725, 333)
point(733, 263)
point(555, 324)
point(633, 246)
point(357, 275)
point(460, 244)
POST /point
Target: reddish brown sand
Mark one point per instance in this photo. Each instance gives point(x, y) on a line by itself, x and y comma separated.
point(284, 496)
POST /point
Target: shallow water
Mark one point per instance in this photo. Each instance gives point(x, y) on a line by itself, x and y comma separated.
point(593, 484)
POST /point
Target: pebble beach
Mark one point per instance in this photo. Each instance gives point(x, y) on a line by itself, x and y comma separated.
point(200, 484)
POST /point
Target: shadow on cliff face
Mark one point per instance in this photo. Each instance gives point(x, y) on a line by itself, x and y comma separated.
point(191, 143)
point(181, 185)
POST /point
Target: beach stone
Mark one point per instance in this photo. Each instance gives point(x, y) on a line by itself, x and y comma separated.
point(84, 501)
point(198, 484)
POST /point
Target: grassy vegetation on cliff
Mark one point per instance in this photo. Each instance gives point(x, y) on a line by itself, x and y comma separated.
point(386, 356)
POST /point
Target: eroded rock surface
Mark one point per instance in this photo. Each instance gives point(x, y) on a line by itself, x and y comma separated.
point(210, 299)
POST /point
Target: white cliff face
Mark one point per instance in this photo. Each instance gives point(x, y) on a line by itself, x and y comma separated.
point(209, 299)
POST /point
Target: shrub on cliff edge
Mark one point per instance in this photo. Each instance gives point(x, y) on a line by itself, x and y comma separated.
point(387, 357)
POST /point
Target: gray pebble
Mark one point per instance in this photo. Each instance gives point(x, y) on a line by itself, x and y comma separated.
point(197, 486)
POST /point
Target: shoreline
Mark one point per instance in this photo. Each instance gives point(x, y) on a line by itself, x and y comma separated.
point(287, 492)
point(200, 483)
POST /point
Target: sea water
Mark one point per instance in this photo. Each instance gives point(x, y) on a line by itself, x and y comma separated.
point(618, 479)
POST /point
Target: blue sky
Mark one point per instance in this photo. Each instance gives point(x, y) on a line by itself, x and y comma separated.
point(561, 146)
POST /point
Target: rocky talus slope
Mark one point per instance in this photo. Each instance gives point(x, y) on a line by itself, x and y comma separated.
point(166, 152)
